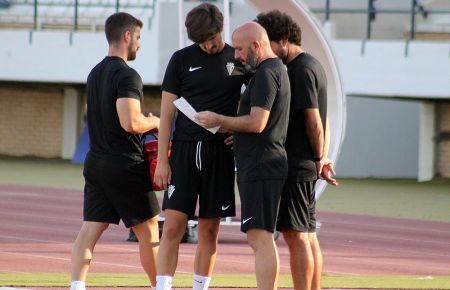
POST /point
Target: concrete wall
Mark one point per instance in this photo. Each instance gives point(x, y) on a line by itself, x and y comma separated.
point(381, 140)
point(444, 144)
point(395, 68)
point(66, 57)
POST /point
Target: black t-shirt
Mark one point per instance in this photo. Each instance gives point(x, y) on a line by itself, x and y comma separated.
point(262, 156)
point(207, 82)
point(108, 81)
point(308, 90)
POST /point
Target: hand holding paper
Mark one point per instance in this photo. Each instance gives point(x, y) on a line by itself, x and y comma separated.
point(208, 119)
point(190, 112)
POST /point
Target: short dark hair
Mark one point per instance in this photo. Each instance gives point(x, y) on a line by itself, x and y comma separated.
point(203, 21)
point(118, 23)
point(280, 26)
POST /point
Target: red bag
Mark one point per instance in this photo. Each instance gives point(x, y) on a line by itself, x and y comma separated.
point(151, 152)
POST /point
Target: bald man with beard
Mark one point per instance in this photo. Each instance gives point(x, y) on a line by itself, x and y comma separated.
point(259, 136)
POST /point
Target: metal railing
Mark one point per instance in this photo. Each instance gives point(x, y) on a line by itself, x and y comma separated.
point(75, 5)
point(416, 9)
point(371, 12)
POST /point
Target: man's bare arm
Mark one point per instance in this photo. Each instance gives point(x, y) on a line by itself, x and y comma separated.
point(328, 170)
point(255, 122)
point(314, 130)
point(163, 172)
point(131, 118)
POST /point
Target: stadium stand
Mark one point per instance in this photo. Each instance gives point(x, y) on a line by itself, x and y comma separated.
point(68, 14)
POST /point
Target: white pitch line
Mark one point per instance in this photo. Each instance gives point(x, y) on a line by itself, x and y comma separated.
point(10, 288)
point(66, 260)
point(97, 247)
point(372, 261)
point(378, 226)
point(384, 237)
point(387, 249)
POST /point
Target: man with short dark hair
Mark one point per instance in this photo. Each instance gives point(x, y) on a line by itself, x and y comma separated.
point(201, 165)
point(306, 146)
point(259, 135)
point(117, 181)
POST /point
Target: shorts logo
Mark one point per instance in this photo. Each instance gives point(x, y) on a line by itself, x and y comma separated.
point(246, 220)
point(230, 68)
point(170, 190)
point(225, 207)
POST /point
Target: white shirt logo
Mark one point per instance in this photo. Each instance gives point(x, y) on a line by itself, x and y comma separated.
point(230, 68)
point(246, 220)
point(225, 207)
point(191, 69)
point(170, 190)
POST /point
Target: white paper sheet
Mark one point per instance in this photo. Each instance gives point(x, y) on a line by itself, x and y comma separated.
point(190, 112)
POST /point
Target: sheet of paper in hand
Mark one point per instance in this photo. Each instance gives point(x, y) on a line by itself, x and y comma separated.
point(190, 112)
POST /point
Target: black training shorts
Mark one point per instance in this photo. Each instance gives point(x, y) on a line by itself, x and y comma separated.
point(298, 207)
point(259, 203)
point(203, 171)
point(115, 189)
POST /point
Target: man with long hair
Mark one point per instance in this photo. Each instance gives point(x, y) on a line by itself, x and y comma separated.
point(201, 165)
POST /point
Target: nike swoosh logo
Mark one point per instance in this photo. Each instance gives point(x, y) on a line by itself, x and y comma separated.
point(170, 190)
point(246, 220)
point(191, 69)
point(225, 207)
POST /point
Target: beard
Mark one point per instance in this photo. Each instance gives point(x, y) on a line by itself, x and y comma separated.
point(283, 55)
point(131, 52)
point(251, 63)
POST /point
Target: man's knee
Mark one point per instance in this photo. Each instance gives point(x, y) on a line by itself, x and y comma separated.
point(258, 238)
point(93, 230)
point(296, 239)
point(173, 231)
point(208, 231)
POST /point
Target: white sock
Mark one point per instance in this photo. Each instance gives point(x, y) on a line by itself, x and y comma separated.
point(201, 282)
point(163, 282)
point(78, 285)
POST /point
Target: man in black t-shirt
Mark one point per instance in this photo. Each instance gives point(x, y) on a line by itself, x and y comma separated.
point(260, 132)
point(117, 181)
point(201, 165)
point(306, 148)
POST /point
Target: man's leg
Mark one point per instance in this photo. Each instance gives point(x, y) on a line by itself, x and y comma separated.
point(205, 256)
point(148, 237)
point(267, 263)
point(301, 258)
point(318, 261)
point(83, 248)
point(173, 231)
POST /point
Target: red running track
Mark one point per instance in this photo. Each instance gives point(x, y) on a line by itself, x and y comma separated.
point(38, 226)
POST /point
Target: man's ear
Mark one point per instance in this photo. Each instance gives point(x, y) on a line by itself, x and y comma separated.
point(284, 42)
point(256, 45)
point(127, 36)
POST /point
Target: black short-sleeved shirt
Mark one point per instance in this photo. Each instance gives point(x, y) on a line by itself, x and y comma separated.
point(108, 81)
point(262, 156)
point(207, 82)
point(308, 90)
